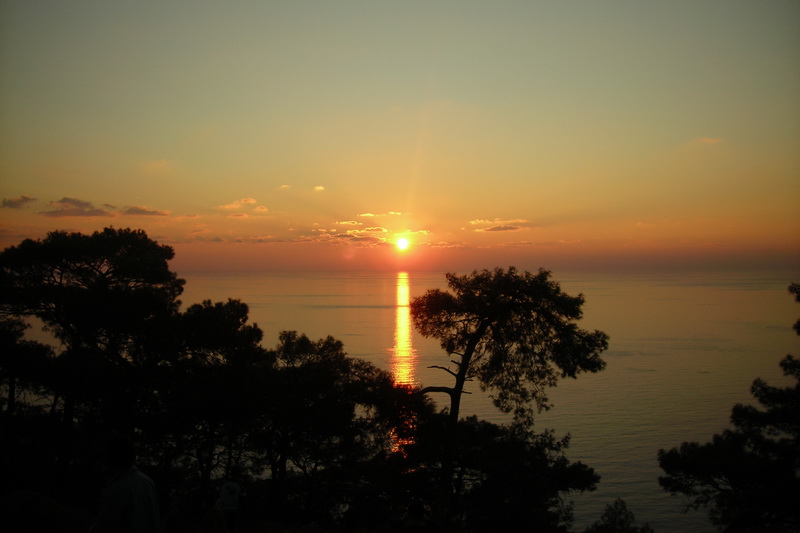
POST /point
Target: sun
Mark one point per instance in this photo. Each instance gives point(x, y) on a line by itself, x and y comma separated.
point(402, 243)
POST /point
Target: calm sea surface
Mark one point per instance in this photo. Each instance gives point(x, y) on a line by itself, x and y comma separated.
point(684, 348)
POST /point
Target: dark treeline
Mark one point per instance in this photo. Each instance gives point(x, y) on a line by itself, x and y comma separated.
point(318, 440)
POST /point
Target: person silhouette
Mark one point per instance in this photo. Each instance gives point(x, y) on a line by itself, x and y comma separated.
point(130, 502)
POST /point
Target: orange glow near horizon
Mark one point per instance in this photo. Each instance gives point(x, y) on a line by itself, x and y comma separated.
point(404, 357)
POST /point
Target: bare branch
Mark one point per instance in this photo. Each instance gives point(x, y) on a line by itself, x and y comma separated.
point(445, 369)
point(446, 390)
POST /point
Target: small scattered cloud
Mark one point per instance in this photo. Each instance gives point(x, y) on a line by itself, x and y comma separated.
point(262, 210)
point(144, 211)
point(258, 239)
point(708, 140)
point(156, 168)
point(319, 188)
point(376, 229)
point(497, 221)
point(348, 223)
point(73, 207)
point(283, 187)
point(238, 204)
point(501, 228)
point(17, 203)
point(239, 215)
point(390, 213)
point(499, 224)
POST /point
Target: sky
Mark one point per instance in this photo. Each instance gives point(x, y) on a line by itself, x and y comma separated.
point(297, 135)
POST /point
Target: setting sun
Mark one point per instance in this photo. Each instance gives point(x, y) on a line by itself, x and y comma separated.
point(402, 244)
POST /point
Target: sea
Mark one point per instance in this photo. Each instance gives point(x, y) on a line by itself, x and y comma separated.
point(684, 348)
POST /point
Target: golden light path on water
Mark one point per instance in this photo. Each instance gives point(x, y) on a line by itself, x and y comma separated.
point(404, 357)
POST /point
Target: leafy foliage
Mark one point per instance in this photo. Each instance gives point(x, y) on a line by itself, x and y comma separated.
point(319, 436)
point(616, 518)
point(513, 332)
point(747, 477)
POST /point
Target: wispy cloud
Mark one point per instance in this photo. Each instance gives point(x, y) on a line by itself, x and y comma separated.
point(497, 221)
point(156, 168)
point(319, 188)
point(348, 223)
point(708, 140)
point(499, 224)
point(390, 213)
point(501, 228)
point(17, 203)
point(144, 211)
point(73, 207)
point(238, 204)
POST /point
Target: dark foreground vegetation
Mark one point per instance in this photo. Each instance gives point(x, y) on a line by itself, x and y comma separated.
point(317, 440)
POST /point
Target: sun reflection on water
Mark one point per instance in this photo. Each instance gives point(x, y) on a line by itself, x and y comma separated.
point(404, 356)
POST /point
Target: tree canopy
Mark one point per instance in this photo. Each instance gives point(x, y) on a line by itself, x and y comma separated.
point(514, 332)
point(748, 477)
point(318, 435)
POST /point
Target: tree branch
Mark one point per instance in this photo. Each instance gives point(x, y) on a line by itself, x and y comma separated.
point(446, 390)
point(445, 369)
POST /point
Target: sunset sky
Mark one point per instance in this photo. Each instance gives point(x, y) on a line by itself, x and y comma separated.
point(256, 135)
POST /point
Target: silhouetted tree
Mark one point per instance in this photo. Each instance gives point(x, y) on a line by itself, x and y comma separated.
point(104, 296)
point(510, 478)
point(513, 332)
point(23, 364)
point(617, 519)
point(747, 477)
point(210, 393)
point(328, 414)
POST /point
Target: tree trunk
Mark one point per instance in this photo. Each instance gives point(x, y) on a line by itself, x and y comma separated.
point(450, 444)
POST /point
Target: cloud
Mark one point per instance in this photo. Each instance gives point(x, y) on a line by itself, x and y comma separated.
point(73, 207)
point(262, 209)
point(498, 221)
point(156, 168)
point(285, 187)
point(17, 203)
point(319, 188)
point(500, 228)
point(708, 140)
point(348, 223)
point(395, 213)
point(144, 211)
point(376, 229)
point(238, 204)
point(498, 224)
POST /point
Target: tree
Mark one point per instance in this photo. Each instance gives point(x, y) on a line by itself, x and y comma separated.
point(511, 478)
point(327, 414)
point(747, 477)
point(22, 363)
point(211, 392)
point(617, 519)
point(514, 332)
point(106, 297)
